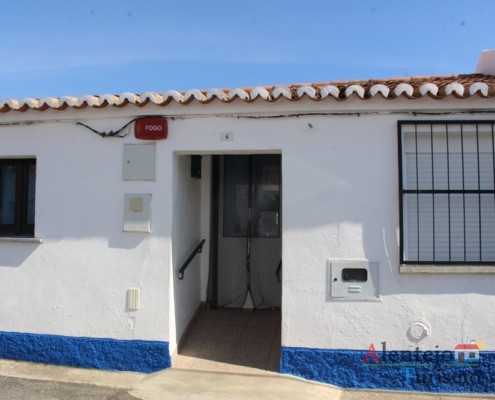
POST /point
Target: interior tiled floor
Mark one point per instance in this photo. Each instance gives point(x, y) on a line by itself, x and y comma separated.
point(232, 340)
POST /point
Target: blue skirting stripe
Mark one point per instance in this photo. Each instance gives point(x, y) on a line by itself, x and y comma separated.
point(424, 371)
point(99, 353)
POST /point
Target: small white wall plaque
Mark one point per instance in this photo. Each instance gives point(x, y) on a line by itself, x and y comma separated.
point(137, 213)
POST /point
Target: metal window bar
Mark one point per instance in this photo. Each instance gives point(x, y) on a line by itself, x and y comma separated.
point(463, 190)
point(479, 188)
point(493, 159)
point(465, 136)
point(493, 154)
point(417, 187)
point(432, 186)
point(448, 187)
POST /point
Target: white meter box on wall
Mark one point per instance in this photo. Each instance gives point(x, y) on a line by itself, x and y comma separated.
point(137, 213)
point(353, 279)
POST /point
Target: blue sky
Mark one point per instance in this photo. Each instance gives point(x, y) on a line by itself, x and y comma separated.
point(64, 47)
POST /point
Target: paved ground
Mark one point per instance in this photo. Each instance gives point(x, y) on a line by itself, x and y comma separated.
point(30, 389)
point(231, 340)
point(20, 380)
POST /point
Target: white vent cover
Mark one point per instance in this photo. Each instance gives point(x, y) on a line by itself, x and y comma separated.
point(486, 64)
point(133, 299)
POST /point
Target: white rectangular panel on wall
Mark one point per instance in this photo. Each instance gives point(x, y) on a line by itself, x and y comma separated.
point(133, 299)
point(354, 279)
point(139, 162)
point(137, 213)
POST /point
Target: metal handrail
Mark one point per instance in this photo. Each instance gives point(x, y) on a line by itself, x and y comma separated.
point(197, 249)
point(279, 270)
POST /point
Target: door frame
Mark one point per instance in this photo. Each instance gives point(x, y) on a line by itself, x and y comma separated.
point(212, 289)
point(214, 216)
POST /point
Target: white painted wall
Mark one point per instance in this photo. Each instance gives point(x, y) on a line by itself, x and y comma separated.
point(75, 282)
point(205, 222)
point(186, 223)
point(346, 178)
point(340, 201)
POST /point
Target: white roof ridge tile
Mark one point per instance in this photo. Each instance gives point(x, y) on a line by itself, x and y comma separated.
point(215, 92)
point(111, 99)
point(51, 102)
point(11, 103)
point(241, 93)
point(329, 90)
point(30, 102)
point(355, 89)
point(90, 100)
point(379, 88)
point(196, 94)
point(156, 98)
point(454, 88)
point(131, 97)
point(260, 91)
point(69, 100)
point(174, 94)
point(307, 90)
point(438, 87)
point(428, 88)
point(402, 88)
point(479, 87)
point(282, 91)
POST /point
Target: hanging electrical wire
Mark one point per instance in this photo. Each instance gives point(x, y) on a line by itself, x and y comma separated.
point(112, 133)
point(118, 132)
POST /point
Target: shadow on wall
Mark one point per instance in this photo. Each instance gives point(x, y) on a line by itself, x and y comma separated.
point(126, 240)
point(15, 254)
point(105, 229)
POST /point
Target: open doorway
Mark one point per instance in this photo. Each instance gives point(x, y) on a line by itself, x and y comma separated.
point(239, 329)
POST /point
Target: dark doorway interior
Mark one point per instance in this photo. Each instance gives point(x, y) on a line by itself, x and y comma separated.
point(246, 230)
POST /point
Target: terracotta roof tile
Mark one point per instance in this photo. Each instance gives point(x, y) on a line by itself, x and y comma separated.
point(416, 87)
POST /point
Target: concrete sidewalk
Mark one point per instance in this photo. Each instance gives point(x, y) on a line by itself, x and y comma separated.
point(34, 381)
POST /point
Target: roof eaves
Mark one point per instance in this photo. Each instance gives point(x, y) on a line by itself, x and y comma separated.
point(416, 87)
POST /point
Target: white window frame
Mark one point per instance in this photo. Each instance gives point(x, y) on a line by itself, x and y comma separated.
point(447, 196)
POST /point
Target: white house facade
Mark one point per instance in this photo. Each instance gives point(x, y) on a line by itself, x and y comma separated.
point(371, 225)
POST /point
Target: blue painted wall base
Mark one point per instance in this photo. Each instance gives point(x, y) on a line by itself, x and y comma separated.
point(109, 354)
point(422, 371)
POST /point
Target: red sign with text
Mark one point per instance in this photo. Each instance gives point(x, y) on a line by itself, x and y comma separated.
point(151, 128)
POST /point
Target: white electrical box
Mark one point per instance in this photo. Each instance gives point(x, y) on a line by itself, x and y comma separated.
point(137, 213)
point(139, 162)
point(353, 279)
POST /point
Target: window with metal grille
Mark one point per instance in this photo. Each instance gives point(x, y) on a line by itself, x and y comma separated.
point(17, 196)
point(447, 196)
